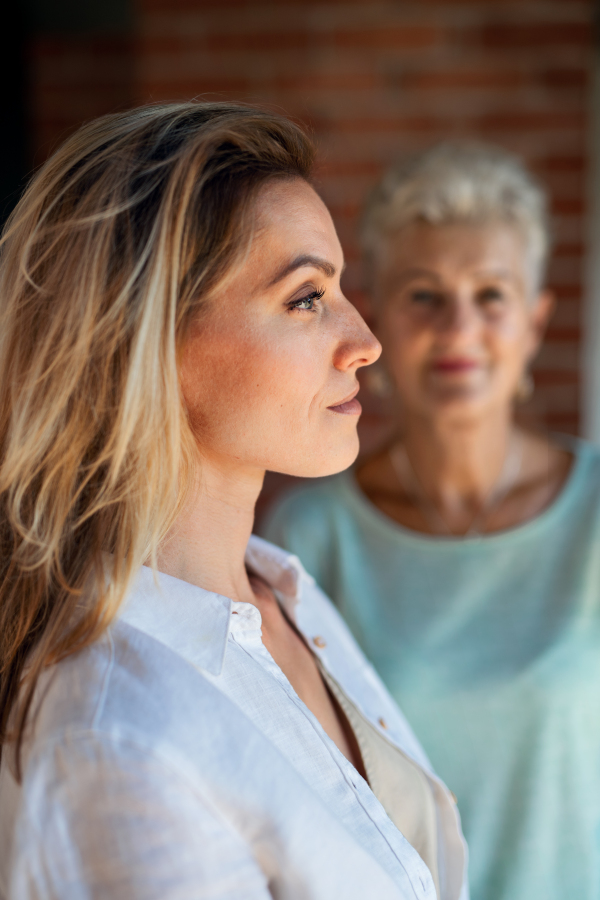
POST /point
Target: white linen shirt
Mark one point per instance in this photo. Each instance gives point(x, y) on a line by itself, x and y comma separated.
point(172, 759)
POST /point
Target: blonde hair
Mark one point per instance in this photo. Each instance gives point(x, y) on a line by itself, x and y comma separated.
point(454, 182)
point(118, 242)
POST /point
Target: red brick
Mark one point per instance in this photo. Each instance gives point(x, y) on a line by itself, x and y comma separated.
point(566, 423)
point(568, 291)
point(409, 37)
point(373, 80)
point(187, 89)
point(568, 207)
point(74, 78)
point(549, 377)
point(541, 121)
point(174, 6)
point(450, 79)
point(509, 36)
point(331, 169)
point(570, 250)
point(558, 356)
point(258, 43)
point(421, 124)
point(414, 38)
point(347, 81)
point(569, 335)
point(575, 163)
point(168, 45)
point(565, 78)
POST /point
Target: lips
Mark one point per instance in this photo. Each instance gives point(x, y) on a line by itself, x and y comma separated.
point(350, 406)
point(458, 364)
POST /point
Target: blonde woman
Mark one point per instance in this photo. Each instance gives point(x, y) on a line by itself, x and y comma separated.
point(464, 553)
point(183, 712)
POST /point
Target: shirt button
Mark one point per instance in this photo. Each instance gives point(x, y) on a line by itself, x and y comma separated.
point(382, 722)
point(319, 642)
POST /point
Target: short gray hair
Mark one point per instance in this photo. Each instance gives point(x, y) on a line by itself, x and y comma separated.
point(460, 182)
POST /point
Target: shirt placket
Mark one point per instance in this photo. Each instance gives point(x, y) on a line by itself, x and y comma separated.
point(246, 632)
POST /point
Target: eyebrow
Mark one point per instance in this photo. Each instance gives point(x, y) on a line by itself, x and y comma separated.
point(300, 262)
point(502, 274)
point(409, 274)
point(415, 272)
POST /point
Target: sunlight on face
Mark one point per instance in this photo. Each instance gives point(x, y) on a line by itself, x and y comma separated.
point(456, 316)
point(268, 371)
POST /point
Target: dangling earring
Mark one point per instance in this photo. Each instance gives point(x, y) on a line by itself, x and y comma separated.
point(525, 387)
point(378, 381)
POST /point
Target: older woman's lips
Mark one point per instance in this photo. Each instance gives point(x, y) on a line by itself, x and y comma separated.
point(455, 365)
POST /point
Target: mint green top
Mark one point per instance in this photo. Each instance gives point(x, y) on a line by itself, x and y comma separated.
point(491, 647)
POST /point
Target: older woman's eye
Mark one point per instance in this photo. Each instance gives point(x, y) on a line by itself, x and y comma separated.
point(426, 298)
point(307, 302)
point(490, 295)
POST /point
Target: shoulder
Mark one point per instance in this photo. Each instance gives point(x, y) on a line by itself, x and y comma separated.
point(156, 784)
point(130, 722)
point(121, 788)
point(585, 453)
point(121, 740)
point(582, 485)
point(128, 690)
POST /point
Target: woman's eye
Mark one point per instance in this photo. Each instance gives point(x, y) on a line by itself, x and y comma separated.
point(490, 295)
point(425, 298)
point(307, 302)
point(304, 303)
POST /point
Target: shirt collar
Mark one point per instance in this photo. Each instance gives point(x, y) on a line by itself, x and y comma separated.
point(195, 623)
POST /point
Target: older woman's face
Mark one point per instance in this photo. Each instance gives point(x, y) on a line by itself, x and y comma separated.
point(456, 316)
point(268, 371)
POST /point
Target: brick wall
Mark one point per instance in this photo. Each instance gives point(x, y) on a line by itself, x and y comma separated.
point(75, 77)
point(374, 79)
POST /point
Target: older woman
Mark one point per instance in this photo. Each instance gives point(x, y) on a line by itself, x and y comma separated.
point(464, 554)
point(172, 326)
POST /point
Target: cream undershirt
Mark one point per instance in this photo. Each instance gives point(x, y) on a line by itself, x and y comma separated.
point(399, 784)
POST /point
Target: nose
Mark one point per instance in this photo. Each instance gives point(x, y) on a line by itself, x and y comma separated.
point(357, 346)
point(458, 317)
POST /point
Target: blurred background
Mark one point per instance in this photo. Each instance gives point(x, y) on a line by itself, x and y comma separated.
point(373, 80)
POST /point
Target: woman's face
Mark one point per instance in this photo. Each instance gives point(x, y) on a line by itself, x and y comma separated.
point(457, 317)
point(268, 370)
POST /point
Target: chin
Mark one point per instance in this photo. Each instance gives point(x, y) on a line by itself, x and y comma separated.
point(323, 461)
point(459, 408)
point(343, 454)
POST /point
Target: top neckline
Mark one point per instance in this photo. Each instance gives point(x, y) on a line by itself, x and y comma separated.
point(582, 452)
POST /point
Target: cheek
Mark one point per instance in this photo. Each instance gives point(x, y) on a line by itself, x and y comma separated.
point(238, 381)
point(214, 377)
point(405, 342)
point(509, 338)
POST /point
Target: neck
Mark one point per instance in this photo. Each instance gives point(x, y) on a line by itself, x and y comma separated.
point(207, 543)
point(458, 464)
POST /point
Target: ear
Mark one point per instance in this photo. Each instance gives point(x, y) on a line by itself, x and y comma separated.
point(540, 315)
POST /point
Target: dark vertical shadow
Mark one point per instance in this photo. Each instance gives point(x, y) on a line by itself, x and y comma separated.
point(14, 142)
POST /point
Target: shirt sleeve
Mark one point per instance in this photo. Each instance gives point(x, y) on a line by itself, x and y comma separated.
point(107, 821)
